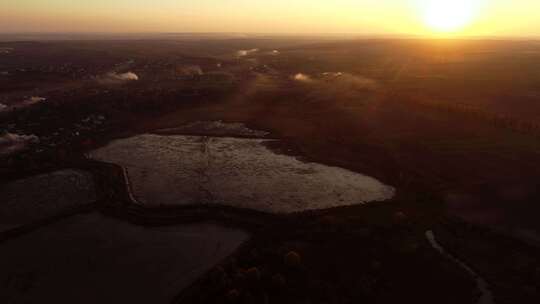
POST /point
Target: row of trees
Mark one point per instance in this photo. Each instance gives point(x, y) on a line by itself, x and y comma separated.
point(499, 120)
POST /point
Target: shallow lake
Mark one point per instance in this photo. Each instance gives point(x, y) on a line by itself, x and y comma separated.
point(238, 172)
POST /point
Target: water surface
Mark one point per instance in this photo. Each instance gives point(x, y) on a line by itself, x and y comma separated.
point(239, 172)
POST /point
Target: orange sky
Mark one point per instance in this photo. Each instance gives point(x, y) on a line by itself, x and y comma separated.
point(514, 18)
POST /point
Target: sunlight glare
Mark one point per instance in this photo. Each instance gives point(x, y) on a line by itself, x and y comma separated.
point(449, 15)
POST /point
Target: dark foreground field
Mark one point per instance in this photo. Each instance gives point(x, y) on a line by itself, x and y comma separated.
point(452, 125)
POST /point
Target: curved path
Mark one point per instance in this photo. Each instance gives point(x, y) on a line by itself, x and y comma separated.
point(486, 297)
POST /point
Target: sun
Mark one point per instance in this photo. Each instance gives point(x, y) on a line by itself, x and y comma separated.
point(449, 15)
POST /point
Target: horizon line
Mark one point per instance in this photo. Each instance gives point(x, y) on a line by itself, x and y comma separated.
point(291, 35)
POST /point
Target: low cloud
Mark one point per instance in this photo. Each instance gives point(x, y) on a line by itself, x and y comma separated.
point(332, 74)
point(337, 86)
point(338, 80)
point(34, 99)
point(5, 50)
point(272, 53)
point(115, 78)
point(190, 70)
point(302, 77)
point(30, 101)
point(13, 143)
point(349, 81)
point(243, 53)
point(124, 76)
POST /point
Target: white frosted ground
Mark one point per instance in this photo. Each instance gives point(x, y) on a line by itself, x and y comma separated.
point(91, 259)
point(41, 196)
point(184, 170)
point(215, 128)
